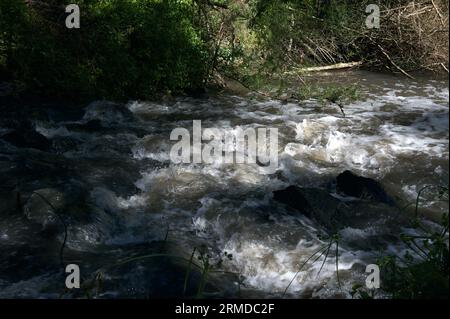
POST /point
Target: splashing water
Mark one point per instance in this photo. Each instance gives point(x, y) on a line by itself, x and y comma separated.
point(130, 196)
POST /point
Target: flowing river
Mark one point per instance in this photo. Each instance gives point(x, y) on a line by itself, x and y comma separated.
point(109, 176)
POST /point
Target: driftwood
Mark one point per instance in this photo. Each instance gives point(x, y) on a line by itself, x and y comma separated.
point(329, 67)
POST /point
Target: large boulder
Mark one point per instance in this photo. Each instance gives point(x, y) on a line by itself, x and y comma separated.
point(361, 187)
point(294, 198)
point(335, 214)
point(315, 203)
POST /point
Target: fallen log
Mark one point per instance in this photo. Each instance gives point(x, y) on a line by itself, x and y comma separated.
point(329, 67)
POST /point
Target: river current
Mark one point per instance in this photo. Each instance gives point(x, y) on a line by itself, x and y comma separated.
point(109, 171)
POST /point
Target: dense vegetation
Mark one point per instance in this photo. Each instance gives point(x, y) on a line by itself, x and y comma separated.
point(123, 48)
point(142, 47)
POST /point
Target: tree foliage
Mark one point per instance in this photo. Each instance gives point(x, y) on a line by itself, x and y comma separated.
point(137, 48)
point(123, 48)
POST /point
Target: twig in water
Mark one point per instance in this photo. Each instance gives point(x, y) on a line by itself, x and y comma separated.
point(322, 250)
point(342, 108)
point(325, 259)
point(337, 264)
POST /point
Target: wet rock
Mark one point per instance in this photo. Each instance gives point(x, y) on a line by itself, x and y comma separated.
point(107, 112)
point(168, 100)
point(43, 206)
point(27, 139)
point(316, 204)
point(361, 187)
point(294, 198)
point(335, 214)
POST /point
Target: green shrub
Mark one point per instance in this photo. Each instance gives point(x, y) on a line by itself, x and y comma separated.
point(124, 49)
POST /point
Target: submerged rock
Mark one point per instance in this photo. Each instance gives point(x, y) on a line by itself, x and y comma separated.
point(27, 139)
point(316, 204)
point(43, 206)
point(293, 197)
point(107, 112)
point(335, 214)
point(361, 187)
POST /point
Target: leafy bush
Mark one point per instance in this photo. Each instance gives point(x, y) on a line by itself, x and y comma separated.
point(423, 271)
point(123, 49)
point(329, 93)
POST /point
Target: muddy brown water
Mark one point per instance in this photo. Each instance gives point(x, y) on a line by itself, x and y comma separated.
point(121, 197)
